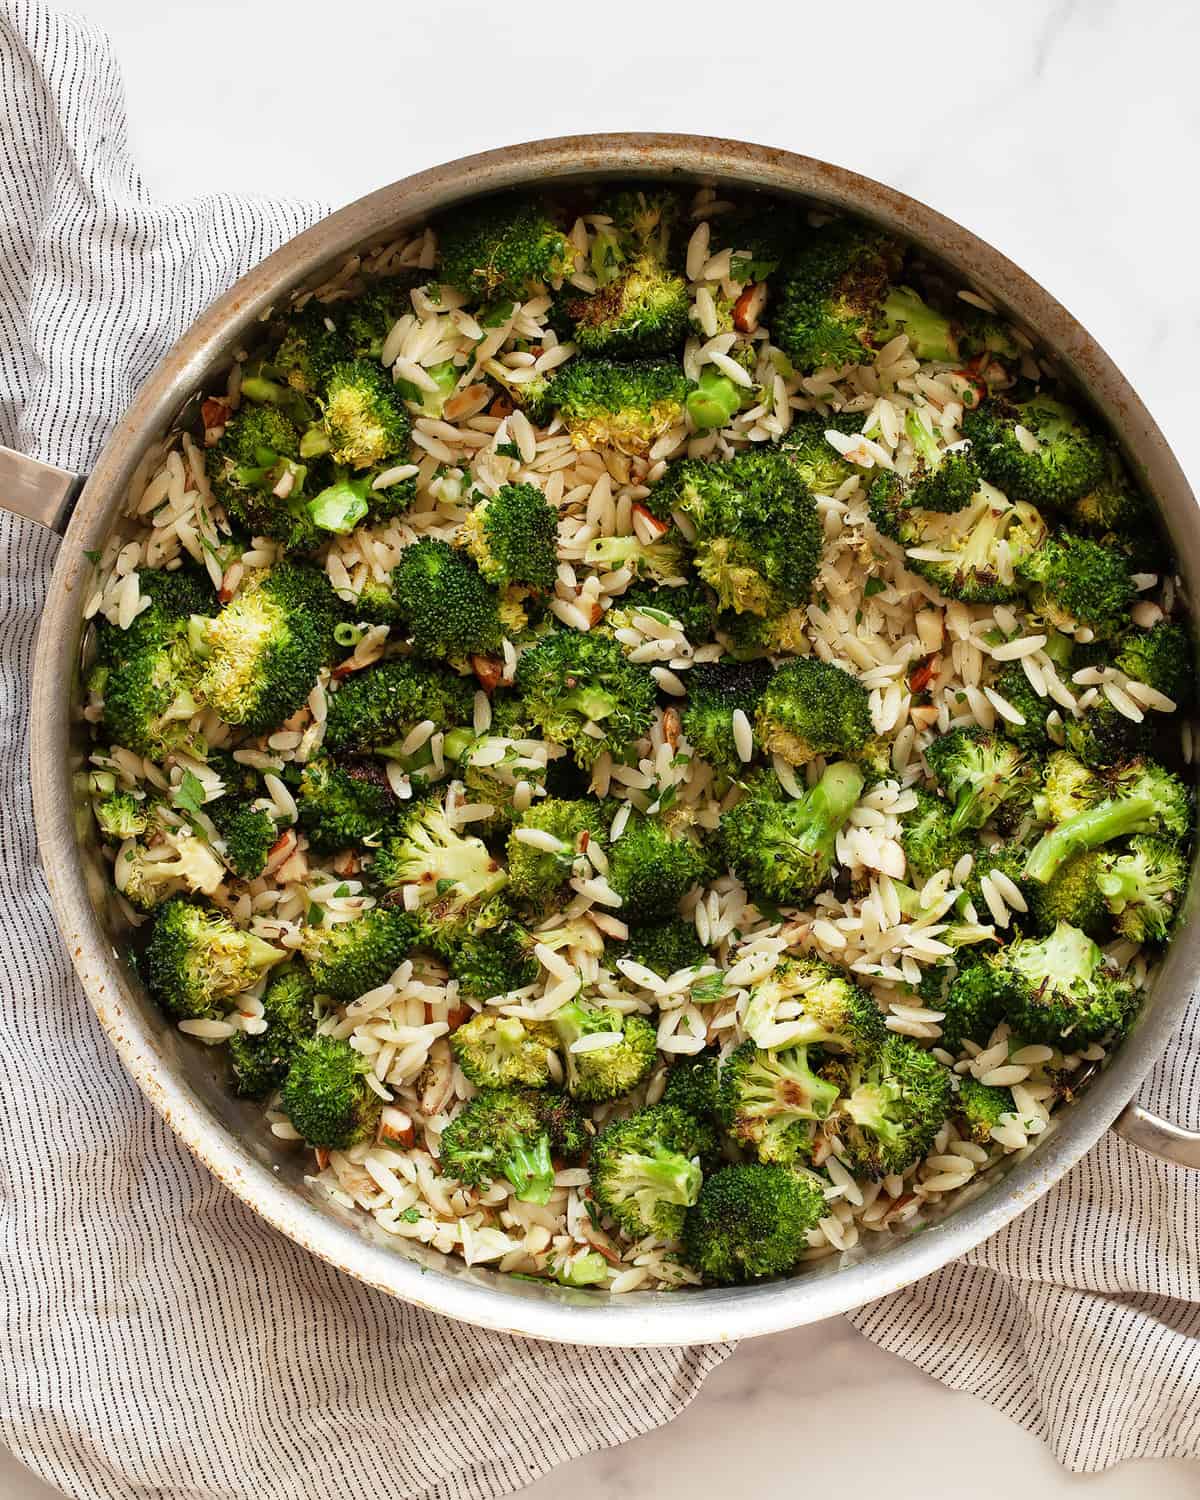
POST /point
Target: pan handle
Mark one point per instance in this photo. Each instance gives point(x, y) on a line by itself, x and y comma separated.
point(37, 491)
point(1150, 1132)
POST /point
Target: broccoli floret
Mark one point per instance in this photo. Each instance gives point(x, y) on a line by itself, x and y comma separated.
point(510, 1133)
point(498, 1052)
point(495, 961)
point(454, 873)
point(987, 333)
point(366, 320)
point(503, 246)
point(642, 310)
point(260, 1062)
point(715, 399)
point(309, 349)
point(979, 1108)
point(538, 876)
point(1073, 581)
point(653, 865)
point(819, 463)
point(149, 875)
point(645, 1170)
point(811, 708)
point(716, 691)
point(939, 481)
point(1066, 461)
point(1013, 685)
point(833, 1011)
point(690, 605)
point(1163, 658)
point(693, 1085)
point(751, 1221)
point(326, 1095)
point(894, 1103)
point(343, 802)
point(979, 772)
point(930, 839)
point(448, 607)
point(1072, 895)
point(772, 1102)
point(659, 560)
point(1061, 988)
point(1115, 506)
point(830, 294)
point(365, 416)
point(784, 851)
point(961, 554)
point(612, 1070)
point(666, 947)
point(196, 958)
point(1068, 787)
point(758, 535)
point(974, 1004)
point(383, 703)
point(121, 816)
point(585, 695)
point(627, 406)
point(1139, 797)
point(1143, 887)
point(256, 475)
point(248, 832)
point(1004, 859)
point(513, 536)
point(747, 637)
point(264, 650)
point(353, 957)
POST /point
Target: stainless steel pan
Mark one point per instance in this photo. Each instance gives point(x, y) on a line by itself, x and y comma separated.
point(183, 1080)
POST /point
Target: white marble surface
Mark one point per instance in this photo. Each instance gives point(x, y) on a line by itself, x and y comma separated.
point(1066, 133)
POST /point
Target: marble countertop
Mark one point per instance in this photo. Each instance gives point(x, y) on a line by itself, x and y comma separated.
point(1065, 133)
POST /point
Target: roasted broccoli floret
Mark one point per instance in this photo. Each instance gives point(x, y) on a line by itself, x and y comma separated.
point(196, 959)
point(264, 650)
point(819, 463)
point(585, 695)
point(309, 349)
point(666, 947)
point(326, 1095)
point(1072, 895)
point(751, 1221)
point(1061, 987)
point(512, 535)
point(1115, 506)
point(979, 772)
point(690, 605)
point(1161, 657)
point(365, 321)
point(747, 637)
point(693, 1084)
point(758, 536)
point(353, 957)
point(510, 1133)
point(365, 416)
point(261, 1060)
point(1037, 450)
point(645, 1170)
point(495, 961)
point(1143, 887)
point(978, 1109)
point(1012, 684)
point(248, 832)
point(830, 295)
point(498, 1052)
point(148, 875)
point(538, 874)
point(893, 1105)
point(833, 1011)
point(121, 816)
point(256, 474)
point(784, 851)
point(653, 865)
point(716, 691)
point(1138, 797)
point(503, 246)
point(939, 481)
point(383, 703)
point(626, 406)
point(930, 839)
point(1073, 581)
point(811, 708)
point(1007, 861)
point(343, 802)
point(1068, 787)
point(642, 309)
point(974, 1004)
point(448, 607)
point(773, 1102)
point(612, 1070)
point(454, 873)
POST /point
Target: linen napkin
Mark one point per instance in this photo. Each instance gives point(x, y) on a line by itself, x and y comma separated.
point(158, 1337)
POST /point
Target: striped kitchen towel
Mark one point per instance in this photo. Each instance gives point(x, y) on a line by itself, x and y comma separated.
point(159, 1339)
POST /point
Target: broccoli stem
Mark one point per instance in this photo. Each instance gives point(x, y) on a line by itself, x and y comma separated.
point(592, 702)
point(836, 793)
point(1098, 825)
point(529, 1168)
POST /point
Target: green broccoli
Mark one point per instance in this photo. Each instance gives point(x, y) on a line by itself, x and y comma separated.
point(260, 1062)
point(690, 605)
point(665, 947)
point(939, 481)
point(309, 349)
point(513, 537)
point(930, 839)
point(974, 1004)
point(365, 321)
point(626, 406)
point(773, 1102)
point(659, 560)
point(248, 832)
point(381, 704)
point(642, 310)
point(344, 802)
point(893, 1105)
point(1006, 859)
point(784, 851)
point(612, 1070)
point(1012, 684)
point(1072, 895)
point(820, 465)
point(448, 607)
point(1068, 787)
point(585, 695)
point(501, 247)
point(495, 961)
point(326, 1095)
point(148, 876)
point(645, 1170)
point(539, 876)
point(979, 1108)
point(1143, 887)
point(714, 400)
point(196, 959)
point(262, 653)
point(497, 1052)
point(510, 1133)
point(365, 416)
point(1115, 506)
point(653, 865)
point(255, 473)
point(833, 1011)
point(1036, 450)
point(1073, 581)
point(716, 691)
point(121, 816)
point(454, 873)
point(828, 304)
point(810, 708)
point(751, 1221)
point(1061, 988)
point(350, 958)
point(693, 1085)
point(1163, 658)
point(979, 772)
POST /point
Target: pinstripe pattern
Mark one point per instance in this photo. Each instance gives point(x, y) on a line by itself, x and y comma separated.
point(158, 1338)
